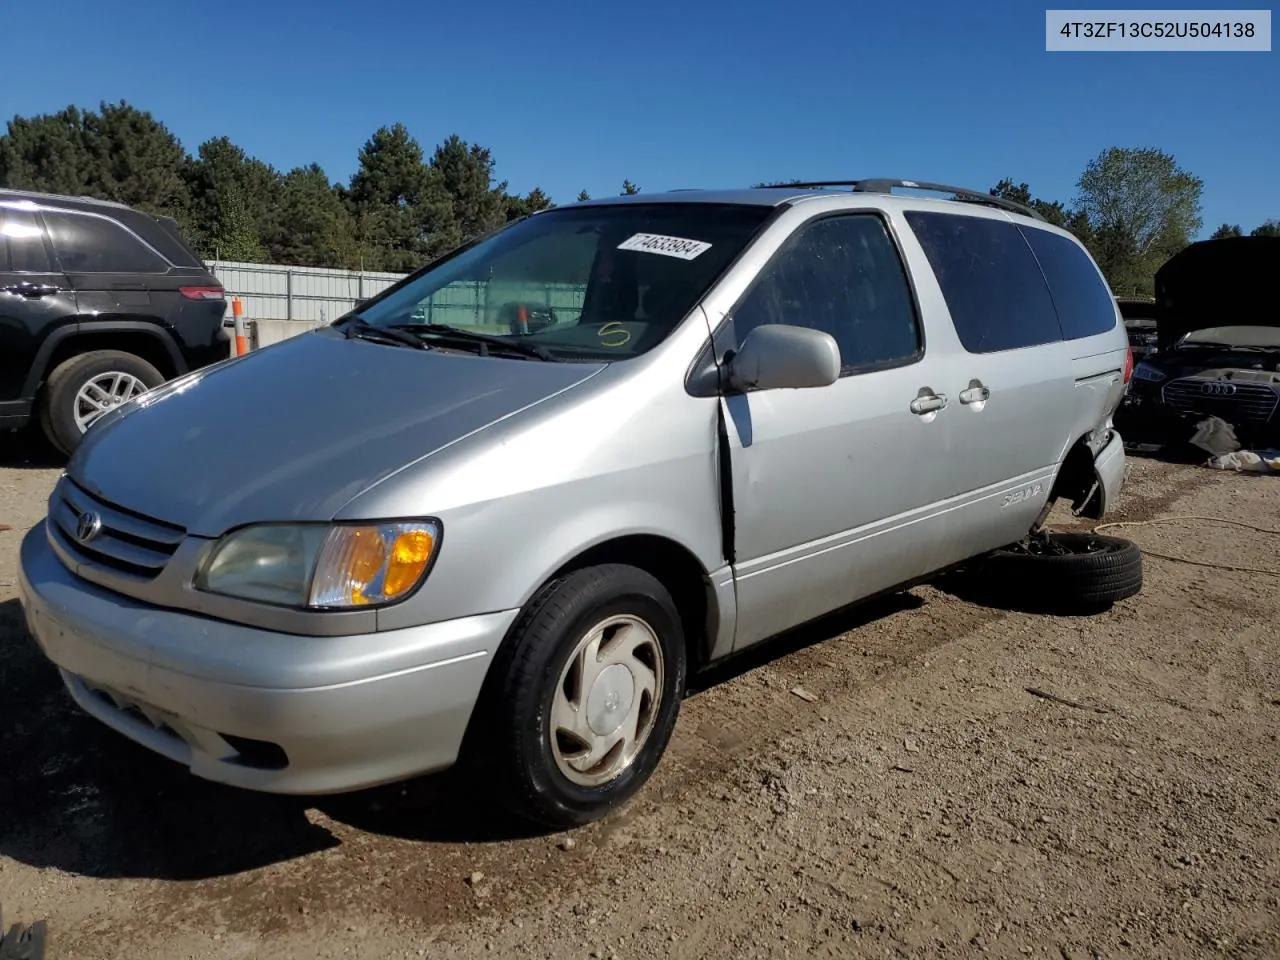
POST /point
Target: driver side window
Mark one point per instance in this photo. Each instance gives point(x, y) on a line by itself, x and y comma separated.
point(841, 275)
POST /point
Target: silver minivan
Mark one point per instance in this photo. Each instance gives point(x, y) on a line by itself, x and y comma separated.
point(500, 512)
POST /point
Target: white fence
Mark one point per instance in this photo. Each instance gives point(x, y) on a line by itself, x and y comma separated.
point(283, 292)
point(313, 296)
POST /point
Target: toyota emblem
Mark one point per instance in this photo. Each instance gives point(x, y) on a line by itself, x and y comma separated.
point(88, 526)
point(1218, 389)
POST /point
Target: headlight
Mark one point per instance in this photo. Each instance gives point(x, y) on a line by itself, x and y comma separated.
point(319, 566)
point(1145, 371)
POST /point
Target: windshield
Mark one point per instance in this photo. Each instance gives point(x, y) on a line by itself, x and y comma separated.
point(590, 283)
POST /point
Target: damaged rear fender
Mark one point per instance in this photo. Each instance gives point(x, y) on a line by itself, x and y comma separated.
point(1091, 475)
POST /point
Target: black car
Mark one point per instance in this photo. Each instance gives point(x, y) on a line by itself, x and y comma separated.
point(1217, 344)
point(1140, 323)
point(98, 303)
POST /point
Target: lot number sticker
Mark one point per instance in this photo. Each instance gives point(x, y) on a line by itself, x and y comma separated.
point(665, 246)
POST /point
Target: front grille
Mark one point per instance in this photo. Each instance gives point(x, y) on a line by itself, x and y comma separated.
point(123, 541)
point(1249, 403)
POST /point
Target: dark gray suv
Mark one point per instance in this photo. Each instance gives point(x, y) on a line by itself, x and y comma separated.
point(98, 303)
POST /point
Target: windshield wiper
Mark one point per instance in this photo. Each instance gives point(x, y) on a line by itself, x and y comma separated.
point(458, 335)
point(393, 336)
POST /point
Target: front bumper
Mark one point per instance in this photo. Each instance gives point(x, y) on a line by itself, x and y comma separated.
point(256, 709)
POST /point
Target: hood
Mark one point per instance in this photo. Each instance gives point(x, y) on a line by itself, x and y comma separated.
point(296, 430)
point(1218, 283)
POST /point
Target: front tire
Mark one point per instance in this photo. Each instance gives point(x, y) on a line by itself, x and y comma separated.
point(583, 696)
point(88, 385)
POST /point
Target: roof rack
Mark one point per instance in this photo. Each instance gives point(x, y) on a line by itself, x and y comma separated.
point(963, 194)
point(40, 195)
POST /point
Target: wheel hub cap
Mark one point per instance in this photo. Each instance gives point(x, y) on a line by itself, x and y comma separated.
point(610, 699)
point(102, 394)
point(605, 704)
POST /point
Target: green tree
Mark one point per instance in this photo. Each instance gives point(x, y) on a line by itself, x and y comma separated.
point(402, 215)
point(1142, 208)
point(1226, 230)
point(235, 201)
point(465, 173)
point(47, 153)
point(315, 227)
point(1269, 229)
point(532, 202)
point(117, 153)
point(583, 195)
point(234, 235)
point(135, 159)
point(1054, 212)
point(629, 189)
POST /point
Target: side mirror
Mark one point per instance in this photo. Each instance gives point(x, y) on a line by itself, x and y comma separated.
point(774, 356)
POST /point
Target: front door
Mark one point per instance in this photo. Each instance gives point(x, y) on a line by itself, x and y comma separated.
point(35, 299)
point(836, 489)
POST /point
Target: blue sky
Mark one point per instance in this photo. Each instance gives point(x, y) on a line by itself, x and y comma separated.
point(671, 94)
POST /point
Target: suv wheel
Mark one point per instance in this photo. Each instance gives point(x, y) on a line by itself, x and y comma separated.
point(84, 387)
point(584, 696)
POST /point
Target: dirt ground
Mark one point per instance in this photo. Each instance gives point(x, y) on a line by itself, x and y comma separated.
point(923, 805)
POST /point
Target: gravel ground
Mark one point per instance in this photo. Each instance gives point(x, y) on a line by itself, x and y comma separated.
point(917, 802)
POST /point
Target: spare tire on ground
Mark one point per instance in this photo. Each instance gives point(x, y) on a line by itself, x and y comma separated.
point(1055, 571)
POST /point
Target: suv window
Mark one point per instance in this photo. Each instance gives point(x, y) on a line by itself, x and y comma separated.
point(86, 244)
point(841, 275)
point(22, 248)
point(1084, 303)
point(990, 280)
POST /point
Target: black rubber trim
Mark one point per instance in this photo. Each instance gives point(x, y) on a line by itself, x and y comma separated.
point(38, 371)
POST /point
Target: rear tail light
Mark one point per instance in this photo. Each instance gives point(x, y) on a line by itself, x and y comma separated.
point(1128, 364)
point(202, 293)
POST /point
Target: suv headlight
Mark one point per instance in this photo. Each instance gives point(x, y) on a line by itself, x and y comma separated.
point(1145, 371)
point(321, 566)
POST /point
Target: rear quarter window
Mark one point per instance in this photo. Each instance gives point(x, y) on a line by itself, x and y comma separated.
point(165, 235)
point(1083, 301)
point(990, 280)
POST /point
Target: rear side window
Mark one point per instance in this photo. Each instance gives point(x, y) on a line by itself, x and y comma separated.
point(1084, 304)
point(990, 280)
point(165, 235)
point(22, 248)
point(841, 275)
point(86, 244)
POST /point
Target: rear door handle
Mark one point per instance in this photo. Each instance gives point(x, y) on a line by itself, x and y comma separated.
point(976, 394)
point(928, 403)
point(32, 291)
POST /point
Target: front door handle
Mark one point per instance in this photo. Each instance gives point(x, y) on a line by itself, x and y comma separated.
point(975, 394)
point(928, 403)
point(32, 291)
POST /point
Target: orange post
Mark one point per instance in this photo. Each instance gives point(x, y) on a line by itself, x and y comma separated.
point(242, 341)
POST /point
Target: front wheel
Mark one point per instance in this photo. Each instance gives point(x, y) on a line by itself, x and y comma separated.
point(584, 696)
point(84, 387)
